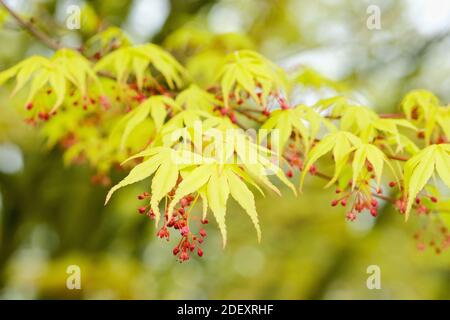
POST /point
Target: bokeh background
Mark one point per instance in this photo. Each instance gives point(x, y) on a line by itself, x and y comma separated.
point(52, 216)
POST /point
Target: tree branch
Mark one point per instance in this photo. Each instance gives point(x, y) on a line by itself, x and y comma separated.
point(31, 28)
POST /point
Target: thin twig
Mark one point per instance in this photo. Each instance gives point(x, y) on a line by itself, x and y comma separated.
point(399, 158)
point(249, 116)
point(391, 115)
point(44, 38)
point(31, 28)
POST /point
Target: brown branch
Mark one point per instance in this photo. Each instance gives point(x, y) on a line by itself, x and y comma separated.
point(42, 37)
point(105, 74)
point(322, 175)
point(249, 115)
point(399, 158)
point(31, 28)
point(391, 115)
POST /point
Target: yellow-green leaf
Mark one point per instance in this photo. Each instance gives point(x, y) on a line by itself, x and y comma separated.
point(163, 182)
point(217, 192)
point(240, 192)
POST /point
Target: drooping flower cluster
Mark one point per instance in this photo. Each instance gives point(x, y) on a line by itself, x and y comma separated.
point(182, 223)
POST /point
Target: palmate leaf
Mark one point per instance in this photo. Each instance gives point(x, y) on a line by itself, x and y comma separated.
point(140, 172)
point(369, 152)
point(341, 143)
point(195, 98)
point(163, 163)
point(361, 120)
point(334, 105)
point(422, 108)
point(156, 106)
point(215, 183)
point(302, 119)
point(364, 122)
point(390, 129)
point(403, 143)
point(183, 124)
point(419, 169)
point(138, 59)
point(66, 66)
point(248, 71)
point(357, 118)
point(256, 159)
point(213, 178)
point(279, 120)
point(418, 104)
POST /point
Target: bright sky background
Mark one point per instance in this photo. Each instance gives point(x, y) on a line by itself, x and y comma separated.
point(429, 17)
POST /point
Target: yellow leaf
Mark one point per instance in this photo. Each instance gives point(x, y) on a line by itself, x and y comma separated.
point(193, 182)
point(138, 173)
point(417, 172)
point(163, 182)
point(240, 192)
point(443, 163)
point(217, 193)
point(134, 118)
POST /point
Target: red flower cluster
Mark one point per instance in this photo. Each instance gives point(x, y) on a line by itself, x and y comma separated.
point(180, 221)
point(362, 201)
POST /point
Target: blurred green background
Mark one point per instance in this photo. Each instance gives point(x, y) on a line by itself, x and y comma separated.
point(52, 216)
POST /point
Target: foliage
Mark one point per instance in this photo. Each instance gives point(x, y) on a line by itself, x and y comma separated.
point(137, 105)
